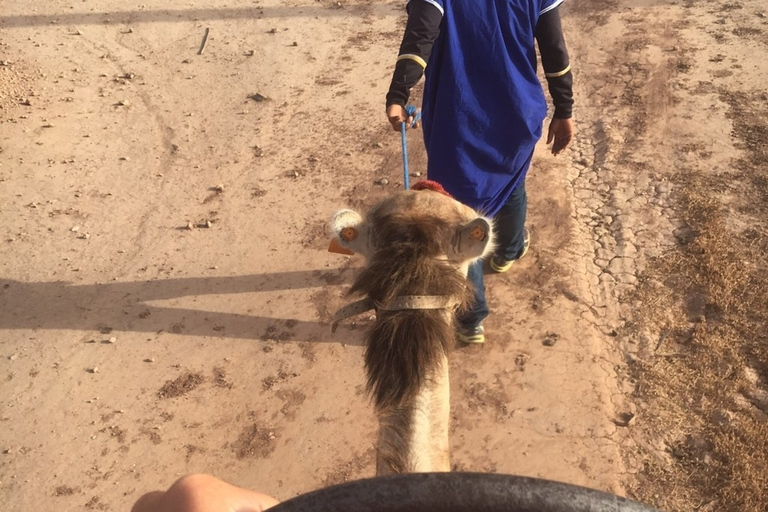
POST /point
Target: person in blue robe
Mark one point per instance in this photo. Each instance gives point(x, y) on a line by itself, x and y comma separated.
point(482, 110)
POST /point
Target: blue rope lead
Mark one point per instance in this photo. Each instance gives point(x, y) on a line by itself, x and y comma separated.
point(410, 110)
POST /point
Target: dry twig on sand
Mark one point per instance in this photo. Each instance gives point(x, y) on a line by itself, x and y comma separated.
point(205, 41)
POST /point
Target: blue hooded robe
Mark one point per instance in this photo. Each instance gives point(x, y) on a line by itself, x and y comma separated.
point(483, 104)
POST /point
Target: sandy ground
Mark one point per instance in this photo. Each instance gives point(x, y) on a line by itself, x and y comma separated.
point(164, 285)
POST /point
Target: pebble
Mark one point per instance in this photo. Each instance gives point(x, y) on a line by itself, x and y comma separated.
point(75, 229)
point(79, 32)
point(378, 145)
point(149, 360)
point(112, 340)
point(250, 53)
point(624, 419)
point(12, 357)
point(219, 188)
point(550, 340)
point(123, 103)
point(382, 181)
point(124, 158)
point(416, 174)
point(48, 125)
point(95, 369)
point(257, 97)
point(190, 226)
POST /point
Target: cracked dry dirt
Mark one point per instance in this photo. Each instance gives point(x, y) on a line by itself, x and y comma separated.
point(620, 354)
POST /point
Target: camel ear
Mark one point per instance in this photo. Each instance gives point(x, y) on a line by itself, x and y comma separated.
point(473, 240)
point(350, 233)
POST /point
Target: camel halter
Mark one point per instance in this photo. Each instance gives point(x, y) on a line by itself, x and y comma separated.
point(401, 303)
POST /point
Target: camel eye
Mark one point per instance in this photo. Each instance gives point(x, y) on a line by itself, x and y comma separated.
point(477, 233)
point(348, 234)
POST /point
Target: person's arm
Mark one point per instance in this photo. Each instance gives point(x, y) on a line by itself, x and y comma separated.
point(557, 70)
point(421, 30)
point(556, 63)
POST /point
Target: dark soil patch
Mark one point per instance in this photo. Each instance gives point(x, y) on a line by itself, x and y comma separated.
point(292, 399)
point(269, 382)
point(308, 352)
point(96, 504)
point(64, 490)
point(274, 334)
point(153, 435)
point(255, 441)
point(181, 385)
point(191, 450)
point(220, 378)
point(116, 432)
point(350, 470)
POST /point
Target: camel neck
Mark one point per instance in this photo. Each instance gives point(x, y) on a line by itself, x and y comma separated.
point(413, 438)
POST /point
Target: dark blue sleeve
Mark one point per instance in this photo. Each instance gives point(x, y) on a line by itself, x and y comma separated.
point(421, 30)
point(556, 62)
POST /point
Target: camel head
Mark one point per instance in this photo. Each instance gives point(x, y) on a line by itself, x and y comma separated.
point(418, 245)
point(417, 224)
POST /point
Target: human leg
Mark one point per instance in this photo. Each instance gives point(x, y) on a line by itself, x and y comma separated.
point(512, 237)
point(471, 321)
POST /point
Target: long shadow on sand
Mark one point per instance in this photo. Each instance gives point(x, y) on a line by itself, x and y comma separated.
point(185, 15)
point(126, 307)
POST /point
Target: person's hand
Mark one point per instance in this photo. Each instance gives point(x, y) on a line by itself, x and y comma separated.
point(560, 131)
point(396, 116)
point(203, 493)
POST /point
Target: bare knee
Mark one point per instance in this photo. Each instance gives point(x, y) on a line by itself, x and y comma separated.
point(192, 483)
point(203, 493)
point(149, 502)
point(189, 493)
point(192, 492)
